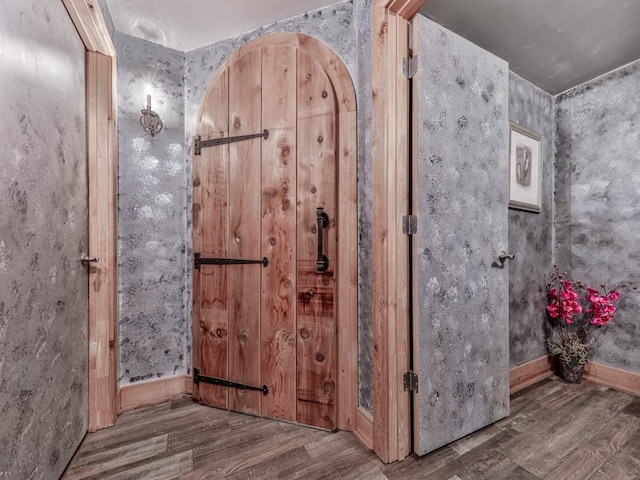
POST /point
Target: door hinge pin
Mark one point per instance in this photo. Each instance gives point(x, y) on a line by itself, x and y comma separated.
point(409, 224)
point(410, 66)
point(411, 381)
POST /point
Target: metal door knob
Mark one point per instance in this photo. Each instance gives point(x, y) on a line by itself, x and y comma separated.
point(84, 258)
point(502, 256)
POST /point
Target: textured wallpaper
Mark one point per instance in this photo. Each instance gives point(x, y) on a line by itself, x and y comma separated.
point(531, 234)
point(152, 261)
point(43, 231)
point(597, 144)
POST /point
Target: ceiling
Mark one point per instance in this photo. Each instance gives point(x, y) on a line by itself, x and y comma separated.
point(555, 44)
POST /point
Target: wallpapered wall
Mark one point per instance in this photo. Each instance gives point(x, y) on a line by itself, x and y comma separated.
point(598, 135)
point(43, 231)
point(152, 258)
point(531, 234)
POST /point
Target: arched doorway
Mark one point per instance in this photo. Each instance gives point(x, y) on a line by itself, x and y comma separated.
point(275, 235)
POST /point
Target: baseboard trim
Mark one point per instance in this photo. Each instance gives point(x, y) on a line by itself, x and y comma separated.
point(364, 427)
point(530, 373)
point(536, 370)
point(613, 378)
point(188, 385)
point(152, 392)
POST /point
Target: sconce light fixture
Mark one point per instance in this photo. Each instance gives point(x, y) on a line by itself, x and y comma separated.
point(149, 119)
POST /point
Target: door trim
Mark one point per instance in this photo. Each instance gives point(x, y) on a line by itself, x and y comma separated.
point(391, 407)
point(100, 72)
point(347, 275)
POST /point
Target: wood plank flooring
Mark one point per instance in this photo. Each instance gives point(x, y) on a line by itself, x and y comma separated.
point(555, 431)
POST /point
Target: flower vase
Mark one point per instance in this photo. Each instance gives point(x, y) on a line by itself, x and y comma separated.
point(570, 373)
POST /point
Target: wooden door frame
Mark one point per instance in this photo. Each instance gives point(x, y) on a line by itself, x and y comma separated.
point(347, 224)
point(391, 407)
point(100, 72)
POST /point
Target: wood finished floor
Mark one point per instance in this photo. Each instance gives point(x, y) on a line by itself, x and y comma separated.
point(555, 431)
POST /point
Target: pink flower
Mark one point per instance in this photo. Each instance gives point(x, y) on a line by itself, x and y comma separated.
point(613, 295)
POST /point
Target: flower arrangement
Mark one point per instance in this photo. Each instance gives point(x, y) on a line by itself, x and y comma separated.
point(575, 324)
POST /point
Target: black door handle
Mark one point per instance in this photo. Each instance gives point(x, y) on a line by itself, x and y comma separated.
point(322, 264)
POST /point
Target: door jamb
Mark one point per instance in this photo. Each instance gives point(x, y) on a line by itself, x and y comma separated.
point(100, 74)
point(347, 275)
point(391, 408)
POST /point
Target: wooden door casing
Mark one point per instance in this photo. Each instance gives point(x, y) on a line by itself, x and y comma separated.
point(260, 328)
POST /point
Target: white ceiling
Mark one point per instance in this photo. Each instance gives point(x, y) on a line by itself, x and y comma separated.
point(555, 44)
point(188, 24)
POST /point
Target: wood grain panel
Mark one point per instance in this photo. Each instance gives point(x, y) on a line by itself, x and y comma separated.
point(101, 168)
point(317, 124)
point(347, 272)
point(211, 227)
point(245, 92)
point(91, 26)
point(390, 268)
point(278, 231)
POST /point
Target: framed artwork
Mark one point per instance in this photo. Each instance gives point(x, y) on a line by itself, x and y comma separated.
point(525, 168)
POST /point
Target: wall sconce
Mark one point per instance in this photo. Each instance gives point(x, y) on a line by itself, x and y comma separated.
point(149, 119)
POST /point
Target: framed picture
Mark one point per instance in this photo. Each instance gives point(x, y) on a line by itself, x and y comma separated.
point(525, 168)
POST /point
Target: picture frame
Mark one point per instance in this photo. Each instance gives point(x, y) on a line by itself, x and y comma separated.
point(525, 169)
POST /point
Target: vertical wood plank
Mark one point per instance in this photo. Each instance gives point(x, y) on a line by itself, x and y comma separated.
point(91, 26)
point(400, 192)
point(347, 272)
point(101, 179)
point(390, 271)
point(317, 124)
point(381, 347)
point(210, 230)
point(279, 231)
point(245, 93)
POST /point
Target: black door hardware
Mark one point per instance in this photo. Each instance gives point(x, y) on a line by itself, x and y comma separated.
point(197, 378)
point(199, 144)
point(322, 264)
point(198, 260)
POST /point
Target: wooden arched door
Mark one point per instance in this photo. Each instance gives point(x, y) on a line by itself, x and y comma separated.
point(265, 237)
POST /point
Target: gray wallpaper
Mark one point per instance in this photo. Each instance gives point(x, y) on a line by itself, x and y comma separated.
point(345, 27)
point(152, 213)
point(463, 319)
point(43, 231)
point(531, 234)
point(362, 21)
point(597, 162)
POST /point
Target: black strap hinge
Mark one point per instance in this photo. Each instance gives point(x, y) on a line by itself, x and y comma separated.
point(199, 144)
point(199, 260)
point(197, 378)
